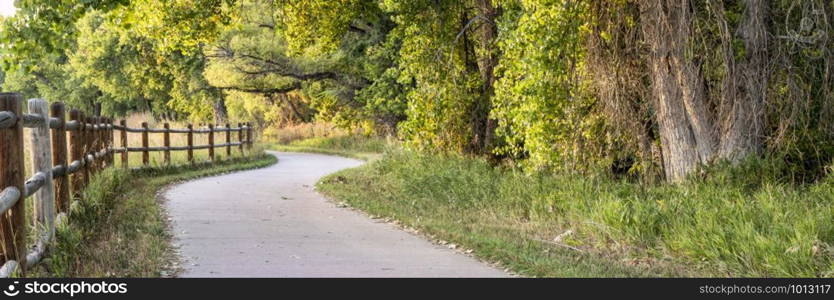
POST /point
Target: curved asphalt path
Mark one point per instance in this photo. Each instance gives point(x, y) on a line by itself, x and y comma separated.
point(271, 223)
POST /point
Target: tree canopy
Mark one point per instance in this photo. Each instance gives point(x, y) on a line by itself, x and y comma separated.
point(639, 88)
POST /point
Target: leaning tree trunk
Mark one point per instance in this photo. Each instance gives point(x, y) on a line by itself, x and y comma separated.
point(686, 128)
point(745, 86)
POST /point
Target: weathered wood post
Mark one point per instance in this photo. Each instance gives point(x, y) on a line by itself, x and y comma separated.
point(76, 141)
point(228, 140)
point(85, 142)
point(12, 221)
point(240, 138)
point(249, 134)
point(105, 144)
point(146, 159)
point(108, 136)
point(105, 141)
point(91, 145)
point(112, 139)
point(59, 157)
point(167, 140)
point(123, 135)
point(41, 152)
point(211, 141)
point(191, 143)
point(99, 143)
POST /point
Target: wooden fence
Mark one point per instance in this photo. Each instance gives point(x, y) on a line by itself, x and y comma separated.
point(63, 166)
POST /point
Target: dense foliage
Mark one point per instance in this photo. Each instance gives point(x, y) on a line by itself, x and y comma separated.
point(640, 88)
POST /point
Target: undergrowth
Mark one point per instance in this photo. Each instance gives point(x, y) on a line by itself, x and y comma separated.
point(736, 221)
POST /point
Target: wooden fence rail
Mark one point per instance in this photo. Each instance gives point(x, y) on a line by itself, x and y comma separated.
point(63, 166)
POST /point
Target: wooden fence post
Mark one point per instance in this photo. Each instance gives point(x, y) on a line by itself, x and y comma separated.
point(96, 145)
point(167, 140)
point(191, 143)
point(105, 143)
point(211, 141)
point(228, 140)
point(112, 142)
point(240, 138)
point(59, 157)
point(12, 222)
point(99, 142)
point(108, 136)
point(249, 134)
point(41, 152)
point(145, 154)
point(90, 146)
point(76, 141)
point(123, 135)
point(85, 142)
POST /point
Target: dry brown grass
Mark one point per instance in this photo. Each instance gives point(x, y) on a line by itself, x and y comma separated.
point(292, 133)
point(177, 139)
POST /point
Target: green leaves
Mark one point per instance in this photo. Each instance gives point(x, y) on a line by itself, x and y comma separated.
point(542, 105)
point(438, 59)
point(179, 25)
point(84, 52)
point(43, 27)
point(316, 27)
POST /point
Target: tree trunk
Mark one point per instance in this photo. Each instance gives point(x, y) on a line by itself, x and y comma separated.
point(746, 87)
point(477, 116)
point(220, 113)
point(487, 34)
point(689, 131)
point(686, 129)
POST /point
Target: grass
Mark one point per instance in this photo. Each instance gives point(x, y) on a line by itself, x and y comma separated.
point(106, 189)
point(119, 229)
point(303, 131)
point(353, 146)
point(737, 223)
point(177, 139)
point(326, 139)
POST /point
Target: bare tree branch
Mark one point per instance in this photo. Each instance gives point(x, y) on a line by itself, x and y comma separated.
point(290, 88)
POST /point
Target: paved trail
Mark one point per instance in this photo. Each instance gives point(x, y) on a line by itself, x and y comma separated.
point(271, 223)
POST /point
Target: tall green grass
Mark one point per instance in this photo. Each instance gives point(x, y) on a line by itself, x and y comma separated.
point(743, 221)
